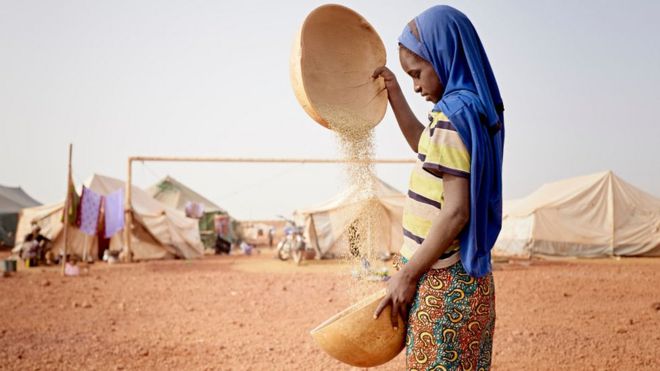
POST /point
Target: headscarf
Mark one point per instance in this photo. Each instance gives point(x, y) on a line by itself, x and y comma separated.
point(472, 102)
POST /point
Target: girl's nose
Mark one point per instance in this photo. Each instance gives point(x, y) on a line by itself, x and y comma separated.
point(418, 89)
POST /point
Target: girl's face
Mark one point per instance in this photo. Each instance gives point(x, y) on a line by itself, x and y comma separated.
point(425, 80)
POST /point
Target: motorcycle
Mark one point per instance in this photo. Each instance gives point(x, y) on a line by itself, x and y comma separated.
point(293, 245)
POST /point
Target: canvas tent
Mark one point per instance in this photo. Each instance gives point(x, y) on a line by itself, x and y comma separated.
point(327, 225)
point(177, 195)
point(159, 232)
point(12, 200)
point(256, 232)
point(588, 216)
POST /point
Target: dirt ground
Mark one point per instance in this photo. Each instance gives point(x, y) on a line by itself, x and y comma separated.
point(241, 313)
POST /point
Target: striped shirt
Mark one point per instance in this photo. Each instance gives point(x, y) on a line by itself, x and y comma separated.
point(440, 151)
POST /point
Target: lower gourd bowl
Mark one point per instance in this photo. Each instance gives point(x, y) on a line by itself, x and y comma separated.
point(352, 336)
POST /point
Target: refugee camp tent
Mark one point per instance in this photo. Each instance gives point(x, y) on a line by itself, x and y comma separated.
point(588, 216)
point(256, 232)
point(178, 196)
point(12, 200)
point(327, 225)
point(159, 232)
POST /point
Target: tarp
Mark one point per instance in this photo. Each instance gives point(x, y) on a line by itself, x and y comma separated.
point(12, 200)
point(588, 216)
point(159, 232)
point(327, 225)
point(175, 194)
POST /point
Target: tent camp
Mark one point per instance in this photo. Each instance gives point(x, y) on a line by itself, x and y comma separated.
point(12, 200)
point(159, 232)
point(588, 216)
point(327, 225)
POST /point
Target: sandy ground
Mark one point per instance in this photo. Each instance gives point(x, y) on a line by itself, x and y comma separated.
point(239, 313)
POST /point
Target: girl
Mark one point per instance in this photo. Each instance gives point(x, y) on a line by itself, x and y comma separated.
point(453, 213)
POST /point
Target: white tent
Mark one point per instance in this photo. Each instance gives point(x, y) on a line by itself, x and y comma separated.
point(327, 225)
point(588, 216)
point(176, 195)
point(159, 232)
point(256, 232)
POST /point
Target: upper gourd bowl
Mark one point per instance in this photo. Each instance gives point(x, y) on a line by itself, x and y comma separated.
point(333, 59)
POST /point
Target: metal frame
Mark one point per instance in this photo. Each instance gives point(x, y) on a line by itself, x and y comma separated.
point(128, 208)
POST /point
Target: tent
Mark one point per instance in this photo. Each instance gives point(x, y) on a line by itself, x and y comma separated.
point(327, 225)
point(256, 232)
point(177, 195)
point(159, 232)
point(12, 200)
point(588, 216)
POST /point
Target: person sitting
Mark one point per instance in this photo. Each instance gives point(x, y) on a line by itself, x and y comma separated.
point(34, 246)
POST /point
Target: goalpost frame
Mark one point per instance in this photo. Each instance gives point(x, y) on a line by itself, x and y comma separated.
point(128, 210)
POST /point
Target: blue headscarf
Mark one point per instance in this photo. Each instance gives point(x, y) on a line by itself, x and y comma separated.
point(473, 104)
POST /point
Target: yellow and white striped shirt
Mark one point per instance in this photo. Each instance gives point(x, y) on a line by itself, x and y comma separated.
point(440, 151)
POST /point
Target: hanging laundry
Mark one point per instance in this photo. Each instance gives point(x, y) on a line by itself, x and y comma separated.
point(221, 225)
point(194, 210)
point(114, 213)
point(89, 211)
point(74, 205)
point(78, 212)
point(103, 242)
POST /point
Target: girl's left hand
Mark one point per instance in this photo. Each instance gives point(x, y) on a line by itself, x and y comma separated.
point(401, 289)
point(388, 77)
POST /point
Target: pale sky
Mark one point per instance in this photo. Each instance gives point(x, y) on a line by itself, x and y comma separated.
point(210, 78)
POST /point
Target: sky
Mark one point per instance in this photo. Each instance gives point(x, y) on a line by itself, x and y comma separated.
point(211, 78)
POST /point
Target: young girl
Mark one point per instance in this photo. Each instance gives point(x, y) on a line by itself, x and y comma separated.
point(453, 213)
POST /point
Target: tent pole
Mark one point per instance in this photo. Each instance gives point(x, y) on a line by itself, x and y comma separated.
point(128, 213)
point(67, 203)
point(610, 201)
point(84, 252)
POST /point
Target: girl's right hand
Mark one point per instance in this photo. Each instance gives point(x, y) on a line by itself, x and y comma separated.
point(388, 78)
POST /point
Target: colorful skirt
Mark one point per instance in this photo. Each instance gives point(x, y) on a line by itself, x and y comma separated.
point(451, 321)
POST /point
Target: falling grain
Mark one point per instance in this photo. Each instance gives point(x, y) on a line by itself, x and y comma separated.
point(356, 145)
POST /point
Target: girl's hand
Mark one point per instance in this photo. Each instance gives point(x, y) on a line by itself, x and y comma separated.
point(388, 77)
point(401, 289)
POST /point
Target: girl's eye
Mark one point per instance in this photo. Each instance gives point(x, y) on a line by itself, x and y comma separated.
point(414, 74)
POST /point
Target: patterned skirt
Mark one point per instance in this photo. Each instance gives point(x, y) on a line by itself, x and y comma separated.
point(451, 321)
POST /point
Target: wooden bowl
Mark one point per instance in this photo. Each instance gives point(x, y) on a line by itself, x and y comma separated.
point(352, 336)
point(333, 58)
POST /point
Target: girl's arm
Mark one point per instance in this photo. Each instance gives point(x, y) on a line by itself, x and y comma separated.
point(450, 221)
point(408, 123)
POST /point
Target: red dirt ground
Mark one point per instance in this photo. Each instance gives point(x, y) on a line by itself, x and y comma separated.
point(241, 313)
